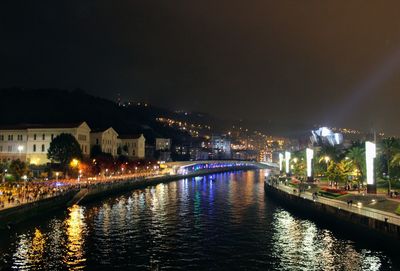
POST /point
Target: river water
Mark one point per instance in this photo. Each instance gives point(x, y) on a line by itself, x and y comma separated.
point(217, 222)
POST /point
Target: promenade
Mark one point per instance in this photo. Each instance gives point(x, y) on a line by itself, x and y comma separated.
point(19, 193)
point(354, 208)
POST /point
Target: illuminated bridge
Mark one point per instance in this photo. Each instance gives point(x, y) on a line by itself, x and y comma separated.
point(189, 167)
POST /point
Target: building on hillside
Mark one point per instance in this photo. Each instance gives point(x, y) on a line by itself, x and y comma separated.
point(221, 147)
point(132, 146)
point(163, 144)
point(30, 142)
point(107, 139)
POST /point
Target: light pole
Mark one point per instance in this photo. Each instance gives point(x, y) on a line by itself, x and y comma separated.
point(287, 162)
point(370, 154)
point(310, 156)
point(57, 176)
point(4, 175)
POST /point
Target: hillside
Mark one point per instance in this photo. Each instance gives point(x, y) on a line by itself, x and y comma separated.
point(63, 106)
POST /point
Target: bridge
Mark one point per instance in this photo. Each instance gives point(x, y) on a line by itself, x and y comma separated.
point(188, 167)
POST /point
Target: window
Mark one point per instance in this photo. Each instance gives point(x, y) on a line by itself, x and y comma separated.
point(9, 149)
point(43, 137)
point(19, 137)
point(34, 136)
point(34, 147)
point(10, 137)
point(43, 148)
point(97, 141)
point(52, 136)
point(1, 148)
point(2, 137)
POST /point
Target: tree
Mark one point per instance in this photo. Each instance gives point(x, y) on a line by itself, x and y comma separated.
point(63, 149)
point(389, 147)
point(298, 164)
point(18, 168)
point(357, 156)
point(332, 152)
point(339, 171)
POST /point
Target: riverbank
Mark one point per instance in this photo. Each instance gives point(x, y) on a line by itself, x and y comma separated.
point(334, 212)
point(88, 193)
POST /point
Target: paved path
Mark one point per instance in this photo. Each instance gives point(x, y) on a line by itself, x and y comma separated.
point(358, 209)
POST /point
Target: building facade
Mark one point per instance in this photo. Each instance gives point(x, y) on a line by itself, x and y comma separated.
point(163, 144)
point(30, 143)
point(107, 139)
point(133, 146)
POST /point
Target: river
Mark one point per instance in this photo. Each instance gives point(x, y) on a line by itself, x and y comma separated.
point(216, 222)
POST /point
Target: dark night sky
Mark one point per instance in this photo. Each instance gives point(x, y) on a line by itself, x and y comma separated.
point(327, 62)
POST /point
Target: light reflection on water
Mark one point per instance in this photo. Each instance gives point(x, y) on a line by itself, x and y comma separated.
point(215, 222)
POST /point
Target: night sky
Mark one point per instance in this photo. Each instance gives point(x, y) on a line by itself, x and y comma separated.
point(309, 62)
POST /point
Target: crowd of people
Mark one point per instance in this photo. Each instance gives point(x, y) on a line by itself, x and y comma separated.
point(17, 193)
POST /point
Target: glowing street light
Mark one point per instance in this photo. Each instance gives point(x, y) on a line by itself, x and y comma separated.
point(370, 154)
point(57, 173)
point(287, 160)
point(310, 156)
point(280, 161)
point(20, 148)
point(74, 162)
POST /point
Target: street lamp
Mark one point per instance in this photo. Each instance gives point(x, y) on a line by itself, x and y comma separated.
point(4, 175)
point(57, 176)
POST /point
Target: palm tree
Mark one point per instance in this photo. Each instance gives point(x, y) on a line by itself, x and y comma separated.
point(333, 152)
point(396, 160)
point(389, 147)
point(356, 155)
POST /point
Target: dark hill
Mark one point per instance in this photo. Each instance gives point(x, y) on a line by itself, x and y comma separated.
point(63, 106)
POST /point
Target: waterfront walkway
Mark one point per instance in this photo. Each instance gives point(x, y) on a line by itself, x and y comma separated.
point(354, 208)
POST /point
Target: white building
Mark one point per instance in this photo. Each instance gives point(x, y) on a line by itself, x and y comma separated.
point(133, 146)
point(107, 139)
point(30, 142)
point(163, 144)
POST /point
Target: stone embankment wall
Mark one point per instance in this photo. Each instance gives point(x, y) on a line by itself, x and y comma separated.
point(335, 216)
point(12, 216)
